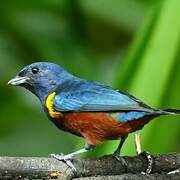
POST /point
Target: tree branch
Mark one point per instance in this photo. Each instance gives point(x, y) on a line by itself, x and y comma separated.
point(96, 168)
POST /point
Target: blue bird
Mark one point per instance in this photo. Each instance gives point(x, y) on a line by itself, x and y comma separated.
point(84, 108)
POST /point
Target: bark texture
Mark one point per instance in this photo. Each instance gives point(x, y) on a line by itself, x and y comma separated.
point(166, 166)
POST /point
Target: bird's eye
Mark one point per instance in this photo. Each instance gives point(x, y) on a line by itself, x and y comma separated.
point(35, 70)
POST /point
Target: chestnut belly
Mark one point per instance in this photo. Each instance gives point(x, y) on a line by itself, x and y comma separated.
point(96, 127)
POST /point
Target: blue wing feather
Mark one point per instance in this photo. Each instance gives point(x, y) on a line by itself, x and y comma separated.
point(82, 95)
point(132, 115)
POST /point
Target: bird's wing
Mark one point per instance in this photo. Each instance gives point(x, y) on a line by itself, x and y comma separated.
point(79, 96)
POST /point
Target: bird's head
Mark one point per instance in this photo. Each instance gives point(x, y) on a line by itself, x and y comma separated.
point(41, 78)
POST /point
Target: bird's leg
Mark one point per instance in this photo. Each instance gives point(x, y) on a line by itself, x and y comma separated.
point(117, 151)
point(71, 155)
point(147, 155)
point(68, 157)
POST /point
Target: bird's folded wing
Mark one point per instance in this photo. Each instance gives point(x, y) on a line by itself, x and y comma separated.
point(88, 96)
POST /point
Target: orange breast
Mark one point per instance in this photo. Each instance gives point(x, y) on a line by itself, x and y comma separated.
point(96, 127)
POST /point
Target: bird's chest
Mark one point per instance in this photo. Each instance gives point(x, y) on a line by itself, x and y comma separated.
point(58, 118)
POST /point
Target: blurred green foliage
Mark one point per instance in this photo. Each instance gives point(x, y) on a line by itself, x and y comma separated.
point(132, 45)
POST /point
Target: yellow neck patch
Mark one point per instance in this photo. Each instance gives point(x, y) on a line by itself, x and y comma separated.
point(49, 106)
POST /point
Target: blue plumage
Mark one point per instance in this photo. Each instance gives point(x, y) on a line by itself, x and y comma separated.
point(78, 95)
point(82, 95)
point(89, 109)
point(132, 115)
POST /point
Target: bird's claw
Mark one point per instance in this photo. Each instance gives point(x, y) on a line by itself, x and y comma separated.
point(150, 162)
point(121, 159)
point(66, 158)
point(60, 157)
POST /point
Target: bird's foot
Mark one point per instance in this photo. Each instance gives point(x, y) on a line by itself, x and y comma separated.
point(150, 162)
point(121, 159)
point(66, 158)
point(62, 157)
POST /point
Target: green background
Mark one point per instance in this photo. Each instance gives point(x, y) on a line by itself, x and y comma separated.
point(133, 45)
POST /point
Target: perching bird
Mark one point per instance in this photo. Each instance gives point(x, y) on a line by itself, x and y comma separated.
point(84, 108)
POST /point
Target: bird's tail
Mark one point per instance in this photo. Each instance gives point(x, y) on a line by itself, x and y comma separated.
point(169, 111)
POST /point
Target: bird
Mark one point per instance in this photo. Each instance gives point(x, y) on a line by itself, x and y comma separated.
point(85, 108)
